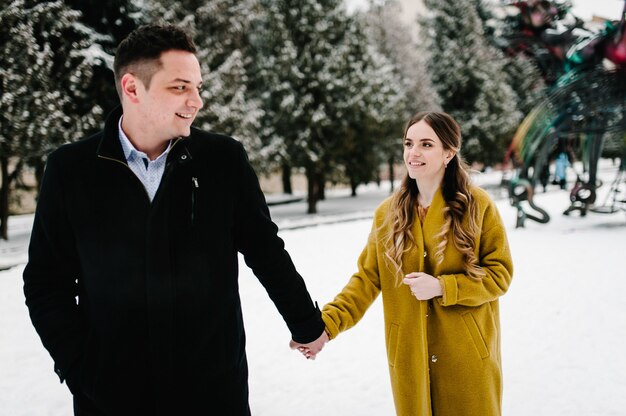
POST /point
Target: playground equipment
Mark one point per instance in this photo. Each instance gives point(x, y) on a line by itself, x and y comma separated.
point(616, 198)
point(585, 105)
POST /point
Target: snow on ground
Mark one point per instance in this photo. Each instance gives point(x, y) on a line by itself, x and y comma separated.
point(563, 325)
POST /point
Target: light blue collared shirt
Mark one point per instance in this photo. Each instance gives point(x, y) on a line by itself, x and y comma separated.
point(148, 171)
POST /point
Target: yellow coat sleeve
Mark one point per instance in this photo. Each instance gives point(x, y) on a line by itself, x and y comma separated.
point(349, 306)
point(495, 259)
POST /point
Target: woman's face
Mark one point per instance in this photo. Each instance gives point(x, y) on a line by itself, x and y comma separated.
point(424, 155)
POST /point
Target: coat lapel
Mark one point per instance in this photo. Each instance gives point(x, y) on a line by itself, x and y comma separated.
point(110, 146)
point(434, 218)
point(414, 259)
point(432, 226)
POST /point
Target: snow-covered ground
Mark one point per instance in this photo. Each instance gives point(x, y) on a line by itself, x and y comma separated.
point(563, 325)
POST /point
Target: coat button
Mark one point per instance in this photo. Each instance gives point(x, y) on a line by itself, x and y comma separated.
point(433, 358)
point(183, 157)
point(425, 253)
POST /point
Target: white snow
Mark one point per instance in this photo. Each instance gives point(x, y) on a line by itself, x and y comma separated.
point(608, 9)
point(563, 325)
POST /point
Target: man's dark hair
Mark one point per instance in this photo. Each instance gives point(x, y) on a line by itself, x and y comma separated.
point(139, 53)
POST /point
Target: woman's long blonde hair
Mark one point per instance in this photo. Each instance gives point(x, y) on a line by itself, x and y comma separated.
point(398, 238)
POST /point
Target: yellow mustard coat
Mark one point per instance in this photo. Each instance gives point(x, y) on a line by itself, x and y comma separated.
point(443, 354)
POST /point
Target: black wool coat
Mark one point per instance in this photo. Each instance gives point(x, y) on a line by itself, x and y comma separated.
point(136, 301)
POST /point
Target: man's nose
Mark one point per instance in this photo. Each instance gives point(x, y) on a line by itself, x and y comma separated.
point(195, 100)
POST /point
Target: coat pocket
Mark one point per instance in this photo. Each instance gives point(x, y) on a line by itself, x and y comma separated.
point(392, 345)
point(194, 190)
point(477, 337)
point(81, 378)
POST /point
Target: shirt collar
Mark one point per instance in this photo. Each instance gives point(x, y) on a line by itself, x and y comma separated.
point(130, 152)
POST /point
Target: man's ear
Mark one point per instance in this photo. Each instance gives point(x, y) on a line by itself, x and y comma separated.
point(129, 85)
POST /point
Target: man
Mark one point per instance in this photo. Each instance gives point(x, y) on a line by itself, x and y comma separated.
point(131, 281)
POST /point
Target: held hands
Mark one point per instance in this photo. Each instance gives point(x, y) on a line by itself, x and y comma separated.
point(311, 349)
point(423, 286)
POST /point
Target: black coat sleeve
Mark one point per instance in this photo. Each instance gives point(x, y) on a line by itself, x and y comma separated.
point(50, 276)
point(264, 252)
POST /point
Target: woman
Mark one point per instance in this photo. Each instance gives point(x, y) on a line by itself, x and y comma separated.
point(439, 254)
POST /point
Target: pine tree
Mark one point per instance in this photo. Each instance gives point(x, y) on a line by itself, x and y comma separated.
point(524, 76)
point(398, 43)
point(470, 78)
point(46, 57)
point(397, 48)
point(312, 74)
point(110, 22)
point(274, 75)
point(525, 79)
point(372, 100)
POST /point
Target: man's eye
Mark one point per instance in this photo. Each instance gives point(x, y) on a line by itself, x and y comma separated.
point(179, 88)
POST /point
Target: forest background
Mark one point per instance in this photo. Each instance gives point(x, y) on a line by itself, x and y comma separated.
point(310, 87)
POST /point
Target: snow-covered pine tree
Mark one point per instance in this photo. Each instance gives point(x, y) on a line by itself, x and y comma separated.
point(273, 80)
point(523, 73)
point(525, 79)
point(469, 75)
point(220, 31)
point(46, 59)
point(398, 43)
point(372, 98)
point(111, 22)
point(312, 74)
point(397, 47)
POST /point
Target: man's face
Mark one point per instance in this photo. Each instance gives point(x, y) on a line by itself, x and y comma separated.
point(171, 102)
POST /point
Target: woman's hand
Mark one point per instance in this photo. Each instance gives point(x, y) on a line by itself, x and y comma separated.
point(311, 349)
point(423, 286)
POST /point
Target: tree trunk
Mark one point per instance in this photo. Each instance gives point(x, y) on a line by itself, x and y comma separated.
point(353, 186)
point(286, 175)
point(40, 166)
point(321, 186)
point(313, 191)
point(4, 198)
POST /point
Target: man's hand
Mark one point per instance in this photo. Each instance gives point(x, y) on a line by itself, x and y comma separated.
point(311, 349)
